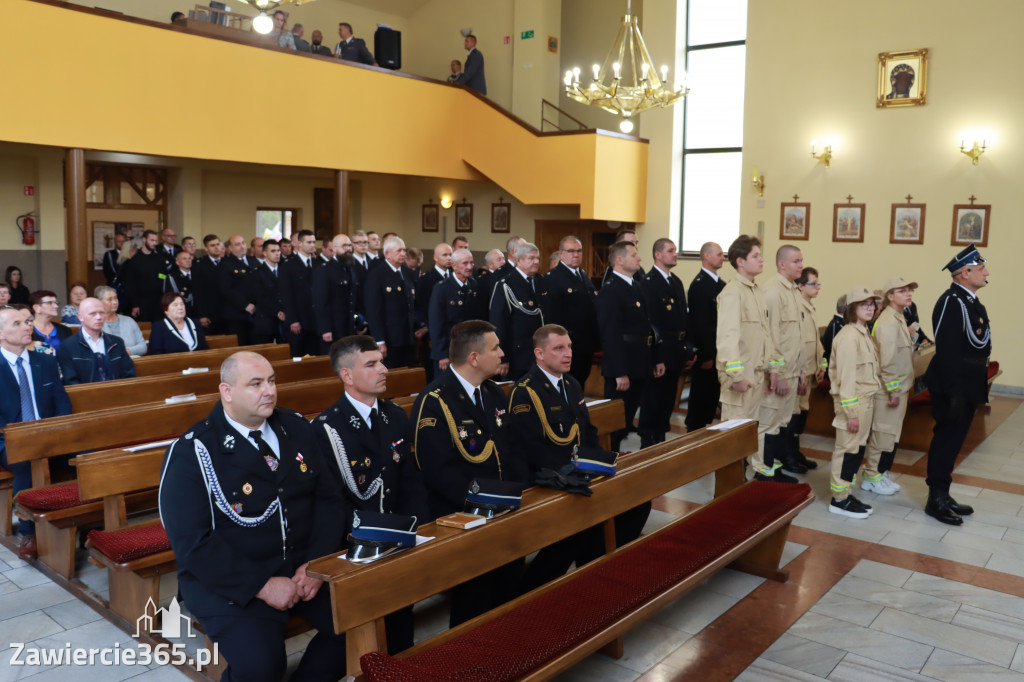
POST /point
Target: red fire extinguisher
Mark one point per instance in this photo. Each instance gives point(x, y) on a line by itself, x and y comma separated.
point(27, 225)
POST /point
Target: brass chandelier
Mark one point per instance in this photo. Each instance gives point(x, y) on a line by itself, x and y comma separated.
point(628, 82)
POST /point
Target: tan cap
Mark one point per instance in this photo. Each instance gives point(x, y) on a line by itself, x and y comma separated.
point(897, 283)
point(860, 294)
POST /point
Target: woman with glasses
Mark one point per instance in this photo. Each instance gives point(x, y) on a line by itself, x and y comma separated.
point(46, 333)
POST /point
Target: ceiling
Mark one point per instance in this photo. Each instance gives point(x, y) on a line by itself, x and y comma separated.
point(402, 8)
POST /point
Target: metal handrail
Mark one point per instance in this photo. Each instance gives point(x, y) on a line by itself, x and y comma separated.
point(580, 125)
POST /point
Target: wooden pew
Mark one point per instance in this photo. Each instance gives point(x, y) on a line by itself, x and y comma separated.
point(176, 362)
point(360, 600)
point(222, 341)
point(114, 475)
point(37, 441)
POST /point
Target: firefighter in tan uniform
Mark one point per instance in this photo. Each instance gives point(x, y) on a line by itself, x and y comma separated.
point(896, 360)
point(784, 320)
point(746, 353)
point(813, 357)
point(853, 372)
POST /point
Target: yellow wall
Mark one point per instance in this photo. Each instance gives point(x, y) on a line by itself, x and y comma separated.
point(812, 73)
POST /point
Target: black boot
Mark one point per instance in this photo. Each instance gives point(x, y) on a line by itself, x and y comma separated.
point(800, 422)
point(940, 506)
point(787, 453)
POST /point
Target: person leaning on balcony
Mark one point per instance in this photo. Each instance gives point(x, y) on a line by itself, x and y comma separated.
point(473, 74)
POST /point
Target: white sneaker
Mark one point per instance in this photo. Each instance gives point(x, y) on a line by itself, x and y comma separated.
point(882, 486)
point(896, 487)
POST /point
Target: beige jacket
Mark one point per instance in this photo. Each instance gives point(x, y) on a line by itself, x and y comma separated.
point(784, 319)
point(853, 372)
point(744, 340)
point(895, 351)
point(813, 354)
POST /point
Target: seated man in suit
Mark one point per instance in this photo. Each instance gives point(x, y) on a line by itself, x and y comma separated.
point(365, 440)
point(247, 502)
point(473, 75)
point(92, 354)
point(350, 48)
point(30, 389)
point(461, 433)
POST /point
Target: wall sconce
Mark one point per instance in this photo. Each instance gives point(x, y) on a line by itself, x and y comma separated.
point(825, 156)
point(446, 202)
point(758, 183)
point(974, 152)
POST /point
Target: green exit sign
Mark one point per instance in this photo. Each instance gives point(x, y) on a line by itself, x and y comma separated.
point(526, 35)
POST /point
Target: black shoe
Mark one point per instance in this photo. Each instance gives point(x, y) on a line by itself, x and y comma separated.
point(938, 508)
point(809, 463)
point(792, 464)
point(851, 507)
point(961, 509)
point(863, 504)
point(779, 477)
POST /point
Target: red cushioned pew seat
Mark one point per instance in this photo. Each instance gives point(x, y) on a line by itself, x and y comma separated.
point(127, 544)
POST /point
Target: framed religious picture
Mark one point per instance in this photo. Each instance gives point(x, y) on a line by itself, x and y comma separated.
point(906, 226)
point(795, 221)
point(848, 222)
point(970, 224)
point(902, 78)
point(430, 217)
point(501, 217)
point(463, 217)
point(552, 44)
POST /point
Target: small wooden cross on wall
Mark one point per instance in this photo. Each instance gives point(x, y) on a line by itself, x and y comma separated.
point(972, 199)
point(796, 198)
point(849, 198)
point(909, 197)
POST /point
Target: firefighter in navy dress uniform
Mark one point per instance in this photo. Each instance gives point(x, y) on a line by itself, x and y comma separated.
point(957, 377)
point(516, 311)
point(389, 302)
point(247, 502)
point(365, 440)
point(460, 433)
point(571, 302)
point(702, 325)
point(454, 300)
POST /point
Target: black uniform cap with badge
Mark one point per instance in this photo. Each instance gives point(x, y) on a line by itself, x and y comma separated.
point(491, 497)
point(588, 465)
point(376, 535)
point(967, 257)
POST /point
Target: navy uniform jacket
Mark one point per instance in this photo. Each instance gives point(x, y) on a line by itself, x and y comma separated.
point(51, 398)
point(833, 327)
point(266, 292)
point(297, 291)
point(354, 50)
point(366, 458)
point(110, 266)
point(911, 316)
point(487, 280)
point(208, 304)
point(221, 564)
point(78, 363)
point(702, 324)
point(963, 344)
point(473, 72)
point(548, 443)
point(515, 312)
point(570, 302)
point(607, 277)
point(236, 291)
point(665, 301)
point(177, 282)
point(389, 298)
point(424, 288)
point(334, 289)
point(449, 305)
point(454, 442)
point(143, 276)
point(163, 340)
point(626, 335)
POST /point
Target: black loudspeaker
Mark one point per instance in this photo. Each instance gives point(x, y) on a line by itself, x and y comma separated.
point(387, 48)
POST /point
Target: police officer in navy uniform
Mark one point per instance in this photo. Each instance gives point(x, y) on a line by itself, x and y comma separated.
point(460, 432)
point(247, 501)
point(550, 425)
point(626, 336)
point(454, 300)
point(389, 298)
point(957, 377)
point(665, 301)
point(571, 303)
point(238, 300)
point(297, 295)
point(516, 311)
point(334, 296)
point(365, 440)
point(702, 299)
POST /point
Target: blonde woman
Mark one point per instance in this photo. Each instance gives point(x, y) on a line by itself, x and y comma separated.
point(853, 372)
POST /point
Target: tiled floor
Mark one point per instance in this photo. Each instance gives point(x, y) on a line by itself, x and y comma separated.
point(897, 596)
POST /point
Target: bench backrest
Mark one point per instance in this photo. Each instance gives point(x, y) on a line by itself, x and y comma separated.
point(175, 362)
point(546, 516)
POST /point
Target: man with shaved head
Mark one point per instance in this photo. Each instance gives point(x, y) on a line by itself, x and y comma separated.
point(425, 287)
point(91, 354)
point(704, 289)
point(248, 502)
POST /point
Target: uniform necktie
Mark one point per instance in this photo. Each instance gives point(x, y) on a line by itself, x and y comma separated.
point(374, 422)
point(579, 273)
point(478, 398)
point(28, 413)
point(561, 389)
point(309, 264)
point(532, 288)
point(268, 455)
